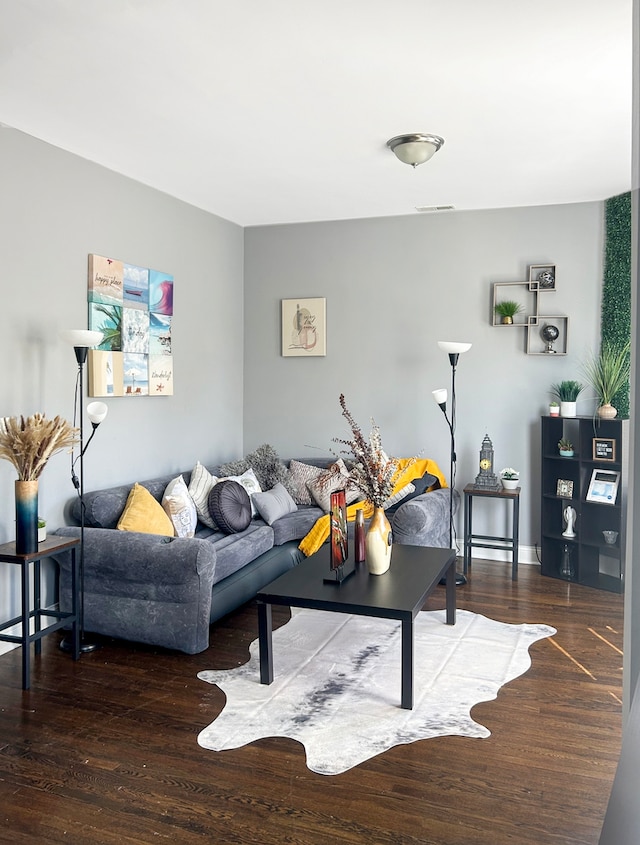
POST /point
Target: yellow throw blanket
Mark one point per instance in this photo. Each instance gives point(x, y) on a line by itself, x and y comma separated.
point(405, 474)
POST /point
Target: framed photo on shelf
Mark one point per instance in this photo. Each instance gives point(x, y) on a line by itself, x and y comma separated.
point(603, 487)
point(564, 489)
point(604, 449)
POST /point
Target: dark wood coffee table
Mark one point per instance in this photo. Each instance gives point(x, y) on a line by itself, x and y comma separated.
point(398, 594)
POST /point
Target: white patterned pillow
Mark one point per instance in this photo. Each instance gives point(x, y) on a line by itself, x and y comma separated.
point(199, 488)
point(299, 475)
point(336, 477)
point(180, 508)
point(399, 496)
point(250, 483)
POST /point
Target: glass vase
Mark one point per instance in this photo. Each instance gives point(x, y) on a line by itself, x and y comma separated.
point(26, 495)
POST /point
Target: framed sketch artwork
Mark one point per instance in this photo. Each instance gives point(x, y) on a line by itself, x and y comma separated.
point(304, 328)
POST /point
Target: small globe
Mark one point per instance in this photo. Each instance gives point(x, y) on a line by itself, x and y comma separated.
point(550, 333)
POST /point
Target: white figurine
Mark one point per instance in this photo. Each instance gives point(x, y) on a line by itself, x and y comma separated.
point(569, 517)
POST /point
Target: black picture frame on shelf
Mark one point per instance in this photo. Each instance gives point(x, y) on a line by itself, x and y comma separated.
point(564, 488)
point(604, 449)
point(603, 487)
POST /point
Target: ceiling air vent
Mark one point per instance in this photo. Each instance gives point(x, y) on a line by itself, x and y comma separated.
point(426, 209)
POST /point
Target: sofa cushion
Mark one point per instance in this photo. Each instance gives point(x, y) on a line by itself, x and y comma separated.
point(144, 514)
point(199, 488)
point(230, 506)
point(295, 525)
point(299, 474)
point(273, 504)
point(233, 551)
point(264, 462)
point(249, 481)
point(179, 507)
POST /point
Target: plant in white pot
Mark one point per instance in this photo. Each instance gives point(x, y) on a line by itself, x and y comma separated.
point(608, 373)
point(567, 392)
point(509, 478)
point(554, 409)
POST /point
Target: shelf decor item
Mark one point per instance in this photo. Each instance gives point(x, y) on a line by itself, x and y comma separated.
point(509, 478)
point(564, 488)
point(565, 447)
point(569, 515)
point(610, 537)
point(42, 529)
point(604, 449)
point(507, 310)
point(554, 409)
point(567, 392)
point(608, 373)
point(603, 487)
point(28, 443)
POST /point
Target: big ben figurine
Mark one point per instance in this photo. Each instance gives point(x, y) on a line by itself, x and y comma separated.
point(486, 479)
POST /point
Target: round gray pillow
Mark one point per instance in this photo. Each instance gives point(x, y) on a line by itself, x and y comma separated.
point(230, 506)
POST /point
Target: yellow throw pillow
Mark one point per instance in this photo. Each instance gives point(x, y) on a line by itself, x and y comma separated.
point(142, 513)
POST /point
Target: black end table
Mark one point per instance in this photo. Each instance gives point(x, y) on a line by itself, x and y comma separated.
point(47, 548)
point(398, 594)
point(485, 541)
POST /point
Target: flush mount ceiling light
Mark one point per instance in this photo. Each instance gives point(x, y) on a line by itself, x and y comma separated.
point(415, 149)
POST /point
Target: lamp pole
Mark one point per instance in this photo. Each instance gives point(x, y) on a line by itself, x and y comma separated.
point(82, 340)
point(454, 350)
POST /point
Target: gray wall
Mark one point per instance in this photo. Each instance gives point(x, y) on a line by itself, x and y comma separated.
point(55, 209)
point(395, 286)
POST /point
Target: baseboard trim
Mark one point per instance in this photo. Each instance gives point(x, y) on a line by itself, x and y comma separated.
point(526, 554)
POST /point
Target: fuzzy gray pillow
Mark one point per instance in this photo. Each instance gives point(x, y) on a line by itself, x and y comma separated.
point(266, 464)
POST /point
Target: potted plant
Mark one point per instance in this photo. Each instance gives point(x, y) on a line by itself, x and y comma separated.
point(554, 409)
point(608, 373)
point(566, 447)
point(507, 310)
point(42, 529)
point(509, 478)
point(567, 392)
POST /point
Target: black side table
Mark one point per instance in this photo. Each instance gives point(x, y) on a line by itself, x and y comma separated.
point(45, 549)
point(484, 541)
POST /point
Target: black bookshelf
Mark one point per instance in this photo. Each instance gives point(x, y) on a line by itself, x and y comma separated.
point(586, 558)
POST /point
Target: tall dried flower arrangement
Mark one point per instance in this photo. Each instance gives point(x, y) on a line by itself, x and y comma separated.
point(373, 472)
point(29, 442)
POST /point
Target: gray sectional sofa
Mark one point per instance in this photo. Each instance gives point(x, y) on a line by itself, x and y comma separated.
point(166, 591)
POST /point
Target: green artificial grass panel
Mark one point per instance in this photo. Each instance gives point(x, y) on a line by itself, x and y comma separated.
point(616, 288)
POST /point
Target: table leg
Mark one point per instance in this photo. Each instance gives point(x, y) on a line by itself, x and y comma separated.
point(26, 645)
point(516, 538)
point(36, 605)
point(467, 532)
point(407, 662)
point(451, 593)
point(265, 642)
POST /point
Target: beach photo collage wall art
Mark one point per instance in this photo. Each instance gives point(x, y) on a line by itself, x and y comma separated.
point(133, 308)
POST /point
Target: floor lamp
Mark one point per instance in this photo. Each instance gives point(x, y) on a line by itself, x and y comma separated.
point(82, 340)
point(454, 351)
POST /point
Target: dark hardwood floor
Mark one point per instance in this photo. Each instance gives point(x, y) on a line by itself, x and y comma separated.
point(104, 750)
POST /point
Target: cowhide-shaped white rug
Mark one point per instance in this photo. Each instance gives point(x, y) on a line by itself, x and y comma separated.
point(336, 685)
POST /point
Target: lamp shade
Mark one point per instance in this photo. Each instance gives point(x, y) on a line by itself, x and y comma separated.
point(81, 337)
point(415, 149)
point(97, 411)
point(440, 395)
point(452, 347)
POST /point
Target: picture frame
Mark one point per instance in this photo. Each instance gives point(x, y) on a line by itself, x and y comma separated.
point(564, 488)
point(603, 487)
point(339, 540)
point(304, 327)
point(604, 449)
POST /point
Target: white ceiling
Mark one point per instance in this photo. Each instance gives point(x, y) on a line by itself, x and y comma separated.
point(278, 111)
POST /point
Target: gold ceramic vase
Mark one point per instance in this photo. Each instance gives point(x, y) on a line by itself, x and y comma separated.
point(378, 543)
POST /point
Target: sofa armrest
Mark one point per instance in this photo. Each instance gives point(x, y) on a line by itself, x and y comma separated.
point(143, 587)
point(424, 520)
